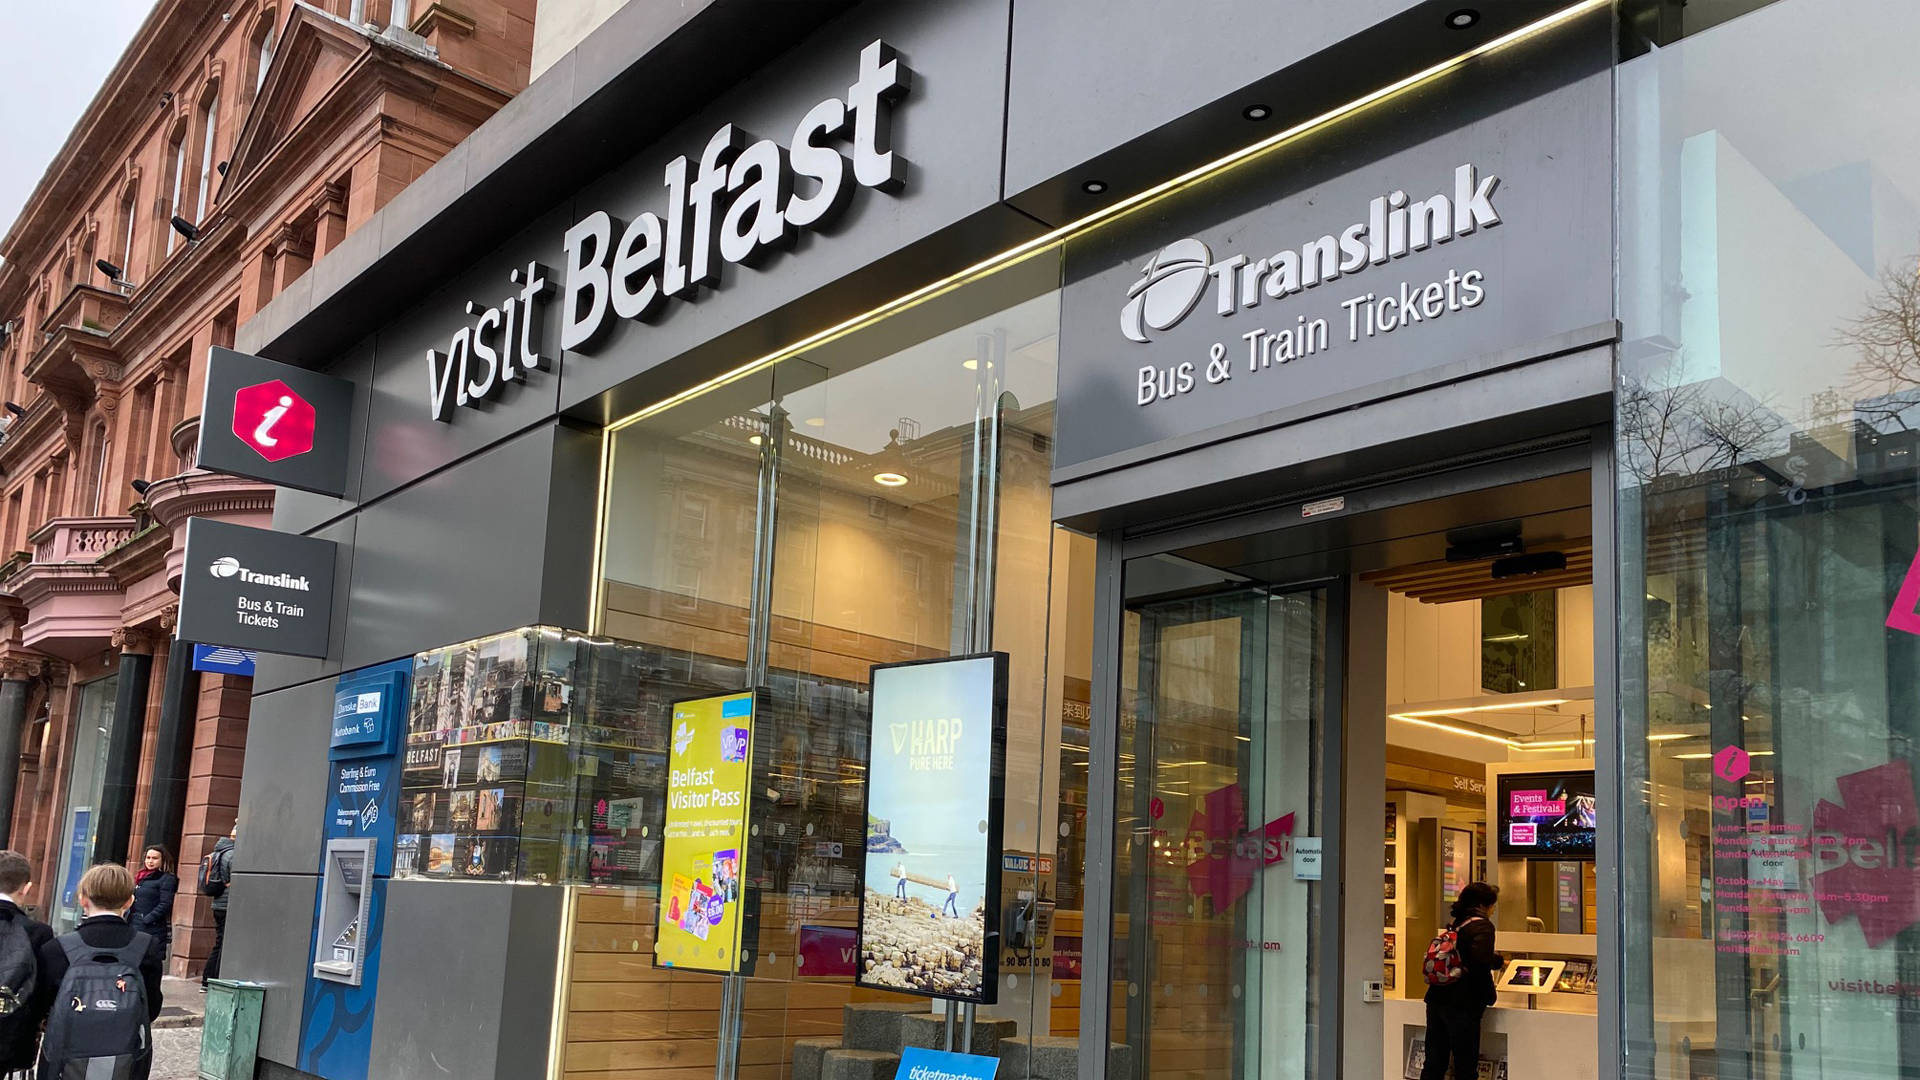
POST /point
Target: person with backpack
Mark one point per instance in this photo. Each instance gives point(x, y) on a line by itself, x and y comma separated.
point(216, 874)
point(1459, 967)
point(154, 888)
point(20, 941)
point(100, 987)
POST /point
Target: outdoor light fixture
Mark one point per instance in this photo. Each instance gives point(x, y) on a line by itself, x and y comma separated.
point(1257, 112)
point(140, 487)
point(221, 168)
point(15, 409)
point(185, 228)
point(1462, 19)
point(107, 268)
point(1094, 187)
point(889, 479)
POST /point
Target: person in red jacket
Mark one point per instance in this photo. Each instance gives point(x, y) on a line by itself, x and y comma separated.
point(1454, 1009)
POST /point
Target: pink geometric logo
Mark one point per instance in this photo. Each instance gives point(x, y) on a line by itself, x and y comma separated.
point(1903, 616)
point(1224, 855)
point(1861, 852)
point(1732, 764)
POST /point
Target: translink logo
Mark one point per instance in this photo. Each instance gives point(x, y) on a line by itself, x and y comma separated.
point(227, 566)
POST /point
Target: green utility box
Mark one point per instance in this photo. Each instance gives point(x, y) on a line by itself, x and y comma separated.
point(230, 1034)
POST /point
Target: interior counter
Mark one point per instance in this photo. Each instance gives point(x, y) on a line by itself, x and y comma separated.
point(1512, 1031)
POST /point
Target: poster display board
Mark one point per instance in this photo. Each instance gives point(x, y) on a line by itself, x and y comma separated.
point(935, 781)
point(702, 912)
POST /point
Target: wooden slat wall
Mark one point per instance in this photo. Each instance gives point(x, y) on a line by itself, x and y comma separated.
point(627, 1020)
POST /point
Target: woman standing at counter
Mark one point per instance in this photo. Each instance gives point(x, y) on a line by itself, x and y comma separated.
point(1460, 989)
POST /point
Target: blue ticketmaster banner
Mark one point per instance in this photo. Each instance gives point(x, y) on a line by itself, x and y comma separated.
point(223, 660)
point(918, 1064)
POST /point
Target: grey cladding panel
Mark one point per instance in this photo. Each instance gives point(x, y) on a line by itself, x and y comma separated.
point(283, 795)
point(300, 511)
point(1089, 75)
point(405, 442)
point(269, 930)
point(457, 555)
point(443, 975)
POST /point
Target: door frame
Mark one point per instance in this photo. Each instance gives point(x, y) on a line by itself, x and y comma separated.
point(1589, 449)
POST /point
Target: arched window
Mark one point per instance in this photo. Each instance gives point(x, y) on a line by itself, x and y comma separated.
point(102, 449)
point(128, 202)
point(177, 166)
point(209, 124)
point(263, 47)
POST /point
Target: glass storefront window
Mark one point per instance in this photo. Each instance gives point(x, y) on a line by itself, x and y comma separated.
point(1519, 642)
point(92, 731)
point(883, 498)
point(1769, 517)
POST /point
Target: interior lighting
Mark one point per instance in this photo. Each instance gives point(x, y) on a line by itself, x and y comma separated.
point(1094, 187)
point(815, 421)
point(1256, 112)
point(1047, 240)
point(1705, 756)
point(1463, 19)
point(889, 479)
point(753, 440)
point(1530, 703)
point(1455, 730)
point(1506, 637)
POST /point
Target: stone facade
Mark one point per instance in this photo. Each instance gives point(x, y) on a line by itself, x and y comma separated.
point(271, 130)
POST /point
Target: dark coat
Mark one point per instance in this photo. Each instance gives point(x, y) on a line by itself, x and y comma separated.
point(152, 911)
point(216, 872)
point(101, 932)
point(20, 1037)
point(1475, 936)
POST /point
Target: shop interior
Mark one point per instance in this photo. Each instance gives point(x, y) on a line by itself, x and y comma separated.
point(1451, 642)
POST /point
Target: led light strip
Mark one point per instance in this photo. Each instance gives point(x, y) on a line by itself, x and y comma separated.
point(1032, 247)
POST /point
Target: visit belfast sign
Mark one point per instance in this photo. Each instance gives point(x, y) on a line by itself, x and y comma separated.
point(739, 201)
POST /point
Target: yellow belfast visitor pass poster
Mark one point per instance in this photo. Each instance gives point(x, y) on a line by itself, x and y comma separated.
point(703, 846)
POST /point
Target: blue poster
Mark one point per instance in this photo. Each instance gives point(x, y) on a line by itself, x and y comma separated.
point(77, 851)
point(918, 1064)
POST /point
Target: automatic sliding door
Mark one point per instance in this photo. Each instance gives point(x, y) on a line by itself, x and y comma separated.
point(1217, 953)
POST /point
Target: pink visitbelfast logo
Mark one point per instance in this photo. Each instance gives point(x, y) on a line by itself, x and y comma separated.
point(1224, 854)
point(1865, 859)
point(1903, 616)
point(1732, 764)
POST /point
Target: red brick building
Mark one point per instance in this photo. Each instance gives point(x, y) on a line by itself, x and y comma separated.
point(234, 143)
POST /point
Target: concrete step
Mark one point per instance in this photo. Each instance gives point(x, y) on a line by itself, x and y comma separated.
point(858, 1065)
point(875, 1025)
point(929, 1032)
point(809, 1057)
point(1054, 1057)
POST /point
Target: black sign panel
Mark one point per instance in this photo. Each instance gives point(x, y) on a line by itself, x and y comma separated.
point(256, 589)
point(1462, 225)
point(270, 421)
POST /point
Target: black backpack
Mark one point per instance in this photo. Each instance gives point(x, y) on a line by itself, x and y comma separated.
point(18, 968)
point(98, 1028)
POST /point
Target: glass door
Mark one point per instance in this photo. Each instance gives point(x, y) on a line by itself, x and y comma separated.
point(92, 724)
point(1224, 953)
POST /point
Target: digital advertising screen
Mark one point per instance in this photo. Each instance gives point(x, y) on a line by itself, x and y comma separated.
point(929, 922)
point(702, 914)
point(1546, 815)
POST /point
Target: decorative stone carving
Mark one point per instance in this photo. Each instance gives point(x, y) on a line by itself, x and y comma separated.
point(137, 640)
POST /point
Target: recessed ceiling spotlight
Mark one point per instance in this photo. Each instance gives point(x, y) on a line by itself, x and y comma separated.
point(1094, 187)
point(1256, 112)
point(1462, 19)
point(889, 479)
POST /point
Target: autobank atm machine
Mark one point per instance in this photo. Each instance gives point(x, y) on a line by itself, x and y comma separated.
point(356, 861)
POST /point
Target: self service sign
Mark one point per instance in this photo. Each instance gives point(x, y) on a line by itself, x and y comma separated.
point(256, 589)
point(704, 844)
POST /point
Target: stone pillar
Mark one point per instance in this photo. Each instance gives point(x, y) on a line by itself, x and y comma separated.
point(173, 749)
point(114, 837)
point(16, 684)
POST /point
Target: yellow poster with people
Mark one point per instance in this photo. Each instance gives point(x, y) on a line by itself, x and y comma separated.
point(704, 843)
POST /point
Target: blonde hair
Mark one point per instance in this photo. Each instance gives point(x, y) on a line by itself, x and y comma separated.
point(107, 886)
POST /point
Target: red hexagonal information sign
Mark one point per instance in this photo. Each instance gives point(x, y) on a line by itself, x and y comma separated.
point(274, 420)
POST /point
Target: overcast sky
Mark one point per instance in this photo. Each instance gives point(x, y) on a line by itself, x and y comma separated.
point(58, 52)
